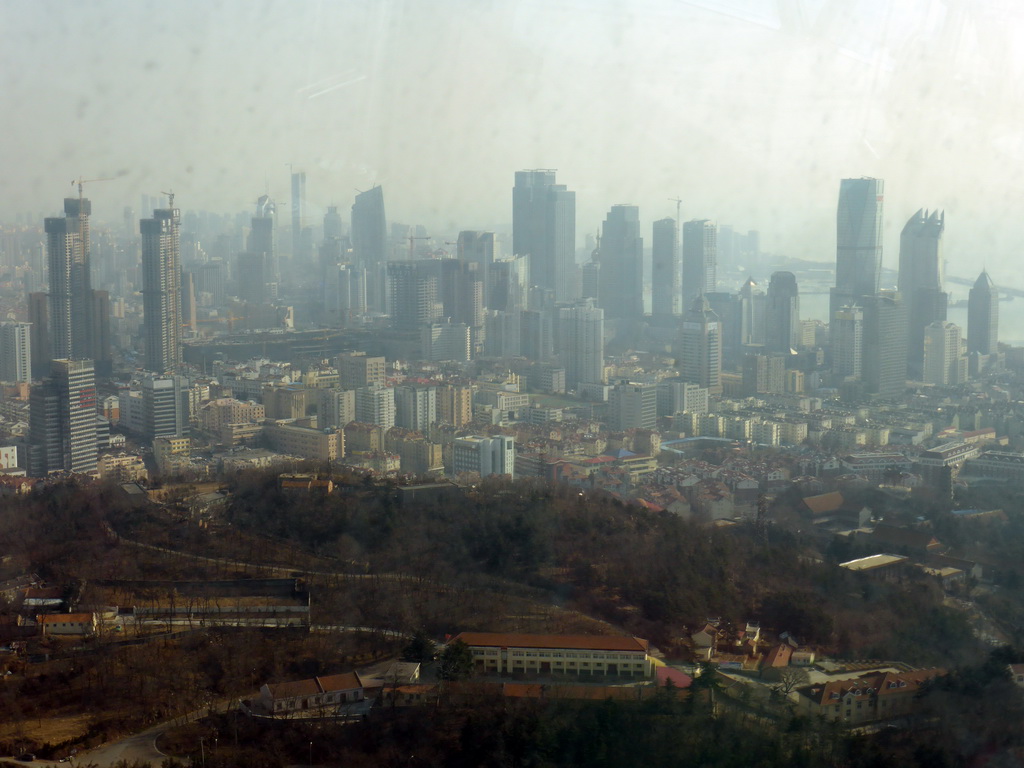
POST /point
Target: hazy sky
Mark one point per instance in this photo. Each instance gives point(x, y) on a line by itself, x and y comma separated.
point(749, 110)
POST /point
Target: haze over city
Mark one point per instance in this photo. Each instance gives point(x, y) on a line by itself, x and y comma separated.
point(749, 112)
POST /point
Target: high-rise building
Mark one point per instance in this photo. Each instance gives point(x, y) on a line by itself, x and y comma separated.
point(678, 396)
point(752, 311)
point(15, 352)
point(729, 308)
point(581, 343)
point(262, 241)
point(376, 405)
point(508, 284)
point(357, 370)
point(858, 241)
point(164, 408)
point(415, 407)
point(700, 347)
point(848, 343)
point(700, 259)
point(413, 294)
point(544, 227)
point(666, 292)
point(633, 405)
point(983, 317)
point(782, 314)
point(944, 362)
point(39, 318)
point(370, 244)
point(68, 259)
point(921, 281)
point(161, 289)
point(188, 302)
point(885, 344)
point(622, 264)
point(764, 374)
point(335, 408)
point(334, 227)
point(63, 420)
point(455, 405)
point(484, 455)
point(447, 341)
point(298, 212)
point(461, 293)
point(479, 248)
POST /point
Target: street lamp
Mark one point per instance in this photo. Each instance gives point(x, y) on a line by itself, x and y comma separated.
point(310, 753)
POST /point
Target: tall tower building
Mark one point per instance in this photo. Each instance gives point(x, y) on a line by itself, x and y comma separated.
point(921, 281)
point(885, 344)
point(413, 294)
point(370, 244)
point(15, 352)
point(62, 420)
point(983, 317)
point(334, 227)
point(858, 242)
point(622, 264)
point(544, 226)
point(161, 289)
point(298, 212)
point(666, 292)
point(700, 347)
point(581, 337)
point(39, 318)
point(700, 259)
point(848, 342)
point(944, 364)
point(752, 311)
point(479, 248)
point(68, 259)
point(782, 314)
point(262, 241)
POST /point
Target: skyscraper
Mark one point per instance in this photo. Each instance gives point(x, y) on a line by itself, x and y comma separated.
point(885, 344)
point(921, 281)
point(943, 362)
point(622, 264)
point(39, 318)
point(298, 212)
point(782, 314)
point(858, 241)
point(262, 241)
point(983, 317)
point(68, 256)
point(666, 293)
point(544, 226)
point(161, 289)
point(15, 352)
point(413, 293)
point(700, 259)
point(848, 343)
point(62, 420)
point(478, 247)
point(370, 244)
point(581, 343)
point(700, 347)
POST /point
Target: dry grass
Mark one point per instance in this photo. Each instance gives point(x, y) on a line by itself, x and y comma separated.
point(48, 730)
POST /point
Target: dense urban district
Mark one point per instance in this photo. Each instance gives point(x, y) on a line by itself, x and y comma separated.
point(294, 494)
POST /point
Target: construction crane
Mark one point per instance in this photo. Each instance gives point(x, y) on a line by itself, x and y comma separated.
point(82, 181)
point(678, 203)
point(410, 238)
point(170, 198)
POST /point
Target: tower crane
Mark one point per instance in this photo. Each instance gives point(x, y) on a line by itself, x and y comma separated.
point(82, 181)
point(170, 198)
point(410, 238)
point(678, 203)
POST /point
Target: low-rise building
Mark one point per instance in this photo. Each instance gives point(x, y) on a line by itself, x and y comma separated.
point(870, 697)
point(582, 656)
point(316, 694)
point(74, 624)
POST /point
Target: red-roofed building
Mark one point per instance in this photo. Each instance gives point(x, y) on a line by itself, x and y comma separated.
point(872, 696)
point(331, 693)
point(584, 656)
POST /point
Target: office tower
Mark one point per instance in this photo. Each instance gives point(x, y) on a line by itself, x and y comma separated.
point(15, 352)
point(885, 344)
point(536, 334)
point(262, 241)
point(370, 244)
point(415, 407)
point(848, 342)
point(509, 283)
point(858, 241)
point(666, 292)
point(68, 257)
point(188, 301)
point(298, 212)
point(478, 248)
point(334, 227)
point(484, 455)
point(455, 405)
point(622, 264)
point(461, 292)
point(581, 343)
point(211, 279)
point(62, 420)
point(633, 405)
point(161, 289)
point(357, 370)
point(764, 374)
point(782, 314)
point(729, 309)
point(983, 317)
point(700, 347)
point(413, 294)
point(544, 227)
point(700, 259)
point(164, 411)
point(944, 363)
point(921, 281)
point(375, 404)
point(752, 312)
point(447, 341)
point(39, 319)
point(590, 279)
point(99, 333)
point(256, 284)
